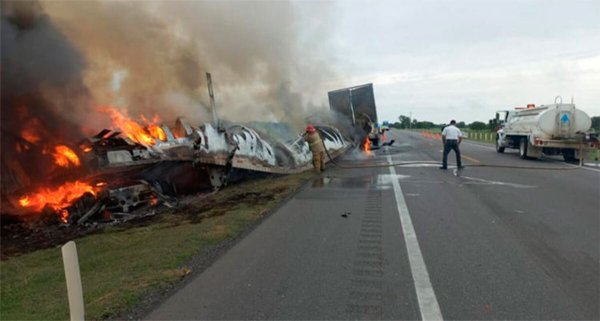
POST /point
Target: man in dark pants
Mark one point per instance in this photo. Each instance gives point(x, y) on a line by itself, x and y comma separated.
point(451, 137)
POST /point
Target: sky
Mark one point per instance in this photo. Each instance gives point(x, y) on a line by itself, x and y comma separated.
point(464, 60)
point(276, 60)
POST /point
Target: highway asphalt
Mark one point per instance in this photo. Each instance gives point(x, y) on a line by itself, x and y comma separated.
point(415, 242)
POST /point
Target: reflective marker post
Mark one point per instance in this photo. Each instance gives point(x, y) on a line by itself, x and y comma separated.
point(73, 277)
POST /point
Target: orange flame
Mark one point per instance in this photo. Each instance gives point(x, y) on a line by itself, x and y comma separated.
point(146, 135)
point(154, 120)
point(367, 146)
point(157, 132)
point(153, 200)
point(64, 216)
point(57, 198)
point(31, 136)
point(65, 157)
point(25, 202)
point(130, 128)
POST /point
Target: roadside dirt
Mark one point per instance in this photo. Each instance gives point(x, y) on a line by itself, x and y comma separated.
point(18, 238)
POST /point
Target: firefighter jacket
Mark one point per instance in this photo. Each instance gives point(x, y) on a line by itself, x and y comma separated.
point(314, 142)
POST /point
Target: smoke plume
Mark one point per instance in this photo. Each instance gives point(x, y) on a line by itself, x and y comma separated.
point(63, 60)
point(255, 51)
point(42, 92)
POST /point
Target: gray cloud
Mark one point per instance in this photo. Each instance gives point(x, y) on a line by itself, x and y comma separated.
point(470, 58)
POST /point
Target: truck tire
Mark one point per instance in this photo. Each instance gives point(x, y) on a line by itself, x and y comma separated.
point(569, 155)
point(374, 141)
point(499, 148)
point(523, 148)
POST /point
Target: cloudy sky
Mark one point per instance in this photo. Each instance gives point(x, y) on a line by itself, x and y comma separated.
point(276, 60)
point(466, 59)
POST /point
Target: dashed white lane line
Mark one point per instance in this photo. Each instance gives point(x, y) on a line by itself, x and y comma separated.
point(428, 304)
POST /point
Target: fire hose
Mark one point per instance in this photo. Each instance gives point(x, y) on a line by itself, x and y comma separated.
point(332, 160)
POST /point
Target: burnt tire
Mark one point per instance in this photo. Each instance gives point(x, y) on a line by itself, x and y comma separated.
point(523, 148)
point(499, 149)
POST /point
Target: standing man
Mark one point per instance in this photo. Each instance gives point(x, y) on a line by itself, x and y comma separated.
point(451, 137)
point(316, 147)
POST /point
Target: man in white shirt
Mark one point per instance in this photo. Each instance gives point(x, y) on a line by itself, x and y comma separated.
point(451, 137)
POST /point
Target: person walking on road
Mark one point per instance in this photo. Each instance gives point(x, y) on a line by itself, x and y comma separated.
point(316, 147)
point(451, 137)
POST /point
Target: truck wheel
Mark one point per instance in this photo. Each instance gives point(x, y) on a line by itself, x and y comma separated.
point(499, 148)
point(523, 148)
point(569, 155)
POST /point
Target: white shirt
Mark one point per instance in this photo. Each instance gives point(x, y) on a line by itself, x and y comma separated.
point(451, 132)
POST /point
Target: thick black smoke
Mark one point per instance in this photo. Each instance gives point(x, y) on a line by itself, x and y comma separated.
point(42, 91)
point(62, 60)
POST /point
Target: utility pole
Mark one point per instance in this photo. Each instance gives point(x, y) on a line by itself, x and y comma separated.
point(410, 120)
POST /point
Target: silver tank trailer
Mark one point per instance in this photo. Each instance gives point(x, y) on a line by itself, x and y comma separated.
point(556, 121)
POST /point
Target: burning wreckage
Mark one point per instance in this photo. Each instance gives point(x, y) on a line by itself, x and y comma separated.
point(120, 173)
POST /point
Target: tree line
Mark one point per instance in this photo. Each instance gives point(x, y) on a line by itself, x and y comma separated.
point(404, 122)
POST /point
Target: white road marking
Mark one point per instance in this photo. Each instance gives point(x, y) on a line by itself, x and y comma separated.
point(428, 304)
point(386, 179)
point(591, 169)
point(482, 181)
point(586, 168)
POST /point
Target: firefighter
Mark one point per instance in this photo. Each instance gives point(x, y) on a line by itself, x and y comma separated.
point(312, 137)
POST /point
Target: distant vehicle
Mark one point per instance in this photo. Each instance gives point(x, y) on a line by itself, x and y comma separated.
point(358, 105)
point(385, 125)
point(556, 129)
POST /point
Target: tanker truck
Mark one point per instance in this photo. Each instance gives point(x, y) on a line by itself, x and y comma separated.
point(555, 129)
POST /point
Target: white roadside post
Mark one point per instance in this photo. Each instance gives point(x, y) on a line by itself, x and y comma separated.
point(73, 277)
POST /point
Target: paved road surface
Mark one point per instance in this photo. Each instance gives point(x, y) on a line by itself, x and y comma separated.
point(417, 242)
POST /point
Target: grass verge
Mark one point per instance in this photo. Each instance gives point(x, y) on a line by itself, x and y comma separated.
point(123, 263)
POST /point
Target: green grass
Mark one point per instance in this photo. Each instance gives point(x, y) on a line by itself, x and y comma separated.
point(593, 155)
point(481, 136)
point(485, 136)
point(123, 263)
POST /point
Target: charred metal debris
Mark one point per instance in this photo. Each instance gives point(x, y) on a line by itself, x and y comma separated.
point(128, 178)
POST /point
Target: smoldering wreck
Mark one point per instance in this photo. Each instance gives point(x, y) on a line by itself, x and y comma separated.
point(48, 172)
point(126, 171)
